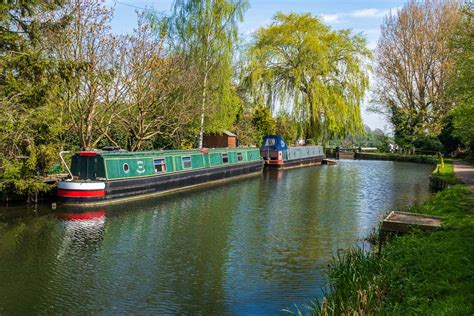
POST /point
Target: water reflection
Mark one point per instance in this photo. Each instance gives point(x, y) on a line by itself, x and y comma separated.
point(85, 228)
point(253, 246)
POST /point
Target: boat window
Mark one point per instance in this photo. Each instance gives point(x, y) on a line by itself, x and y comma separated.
point(225, 158)
point(126, 168)
point(270, 142)
point(186, 162)
point(160, 165)
point(239, 156)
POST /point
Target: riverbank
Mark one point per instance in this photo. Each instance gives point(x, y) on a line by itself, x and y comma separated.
point(429, 159)
point(443, 176)
point(418, 273)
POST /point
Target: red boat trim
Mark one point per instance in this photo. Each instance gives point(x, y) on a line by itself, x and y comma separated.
point(275, 162)
point(87, 154)
point(81, 193)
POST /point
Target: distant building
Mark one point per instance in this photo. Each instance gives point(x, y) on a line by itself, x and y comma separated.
point(225, 139)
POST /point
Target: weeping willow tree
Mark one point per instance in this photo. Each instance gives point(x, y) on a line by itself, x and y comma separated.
point(319, 74)
point(205, 33)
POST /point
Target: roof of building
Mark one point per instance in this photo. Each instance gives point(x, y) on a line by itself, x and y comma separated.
point(229, 133)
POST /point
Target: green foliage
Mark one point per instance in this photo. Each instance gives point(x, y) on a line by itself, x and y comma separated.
point(463, 124)
point(461, 86)
point(222, 113)
point(447, 138)
point(18, 177)
point(376, 138)
point(29, 125)
point(205, 34)
point(383, 143)
point(428, 143)
point(445, 171)
point(321, 74)
point(287, 127)
point(263, 121)
point(245, 129)
point(418, 273)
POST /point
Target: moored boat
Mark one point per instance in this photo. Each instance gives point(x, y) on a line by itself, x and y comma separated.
point(278, 155)
point(99, 177)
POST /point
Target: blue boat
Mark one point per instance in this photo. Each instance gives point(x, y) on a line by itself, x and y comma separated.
point(278, 155)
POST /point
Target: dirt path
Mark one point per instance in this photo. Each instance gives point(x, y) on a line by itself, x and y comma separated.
point(465, 173)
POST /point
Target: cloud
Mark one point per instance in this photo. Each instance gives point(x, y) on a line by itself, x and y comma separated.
point(331, 18)
point(363, 13)
point(369, 13)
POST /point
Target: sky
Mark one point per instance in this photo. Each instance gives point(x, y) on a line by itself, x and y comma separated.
point(362, 16)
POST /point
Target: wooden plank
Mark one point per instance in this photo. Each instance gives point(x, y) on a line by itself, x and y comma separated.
point(329, 162)
point(401, 222)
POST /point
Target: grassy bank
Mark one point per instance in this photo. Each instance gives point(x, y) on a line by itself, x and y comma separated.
point(429, 159)
point(418, 273)
point(446, 172)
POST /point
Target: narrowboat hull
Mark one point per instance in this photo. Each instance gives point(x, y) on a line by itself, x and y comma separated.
point(87, 193)
point(293, 163)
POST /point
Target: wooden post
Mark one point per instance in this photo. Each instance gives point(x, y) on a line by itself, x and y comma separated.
point(381, 239)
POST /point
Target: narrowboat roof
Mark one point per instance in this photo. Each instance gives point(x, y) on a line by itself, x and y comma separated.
point(273, 142)
point(155, 153)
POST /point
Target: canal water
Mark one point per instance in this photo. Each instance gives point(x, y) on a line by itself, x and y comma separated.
point(252, 246)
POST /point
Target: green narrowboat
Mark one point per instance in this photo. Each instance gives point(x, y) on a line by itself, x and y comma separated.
point(99, 177)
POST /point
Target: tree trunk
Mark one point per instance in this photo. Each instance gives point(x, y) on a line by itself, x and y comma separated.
point(203, 107)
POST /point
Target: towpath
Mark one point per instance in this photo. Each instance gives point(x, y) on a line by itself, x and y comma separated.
point(465, 173)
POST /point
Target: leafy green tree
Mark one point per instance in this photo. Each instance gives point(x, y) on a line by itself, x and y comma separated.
point(263, 121)
point(383, 143)
point(461, 86)
point(447, 138)
point(320, 73)
point(287, 127)
point(29, 125)
point(205, 33)
point(413, 66)
point(245, 129)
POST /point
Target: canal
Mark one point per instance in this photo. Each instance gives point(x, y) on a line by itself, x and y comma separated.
point(252, 246)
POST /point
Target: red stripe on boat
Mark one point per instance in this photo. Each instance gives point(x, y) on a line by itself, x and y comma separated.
point(81, 193)
point(274, 162)
point(87, 154)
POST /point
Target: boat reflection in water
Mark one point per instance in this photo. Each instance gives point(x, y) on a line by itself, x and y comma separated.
point(83, 216)
point(82, 229)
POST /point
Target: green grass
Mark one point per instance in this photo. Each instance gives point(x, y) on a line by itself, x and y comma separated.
point(418, 273)
point(446, 173)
